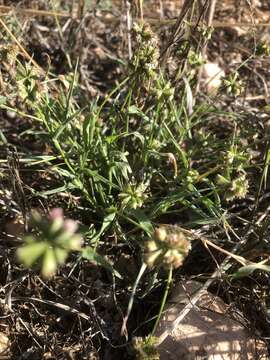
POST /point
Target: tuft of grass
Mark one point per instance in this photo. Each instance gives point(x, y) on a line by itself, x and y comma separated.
point(137, 156)
point(143, 155)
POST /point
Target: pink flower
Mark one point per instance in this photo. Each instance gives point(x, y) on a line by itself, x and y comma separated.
point(56, 213)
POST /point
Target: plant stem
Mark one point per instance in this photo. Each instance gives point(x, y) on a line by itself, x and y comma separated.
point(131, 300)
point(169, 280)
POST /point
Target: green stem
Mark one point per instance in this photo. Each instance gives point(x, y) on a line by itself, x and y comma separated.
point(131, 299)
point(169, 280)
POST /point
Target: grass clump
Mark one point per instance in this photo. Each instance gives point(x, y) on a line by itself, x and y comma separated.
point(143, 156)
point(135, 154)
point(138, 155)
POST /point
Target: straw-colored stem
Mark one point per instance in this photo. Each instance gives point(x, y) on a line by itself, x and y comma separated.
point(24, 52)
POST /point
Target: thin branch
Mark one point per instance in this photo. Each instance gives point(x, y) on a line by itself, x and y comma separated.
point(129, 26)
point(204, 49)
point(7, 10)
point(24, 52)
point(31, 12)
point(176, 30)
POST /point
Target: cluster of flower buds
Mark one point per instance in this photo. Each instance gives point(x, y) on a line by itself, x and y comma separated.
point(233, 84)
point(146, 56)
point(163, 90)
point(263, 49)
point(233, 189)
point(134, 195)
point(168, 247)
point(55, 238)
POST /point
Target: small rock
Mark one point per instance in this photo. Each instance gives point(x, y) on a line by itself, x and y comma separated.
point(212, 76)
point(11, 114)
point(207, 332)
point(4, 345)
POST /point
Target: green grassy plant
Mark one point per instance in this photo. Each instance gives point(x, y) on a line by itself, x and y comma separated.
point(140, 156)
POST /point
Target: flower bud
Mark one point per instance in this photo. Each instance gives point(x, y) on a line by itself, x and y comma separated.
point(160, 234)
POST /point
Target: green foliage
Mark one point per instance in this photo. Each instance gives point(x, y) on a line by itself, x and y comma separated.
point(249, 269)
point(195, 59)
point(89, 254)
point(263, 49)
point(145, 349)
point(233, 182)
point(137, 149)
point(233, 84)
point(141, 154)
point(54, 239)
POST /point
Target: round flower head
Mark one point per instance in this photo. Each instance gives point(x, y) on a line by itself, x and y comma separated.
point(169, 247)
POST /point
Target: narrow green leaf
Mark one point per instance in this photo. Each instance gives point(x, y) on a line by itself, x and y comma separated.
point(89, 254)
point(249, 269)
point(108, 219)
point(143, 220)
point(133, 110)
